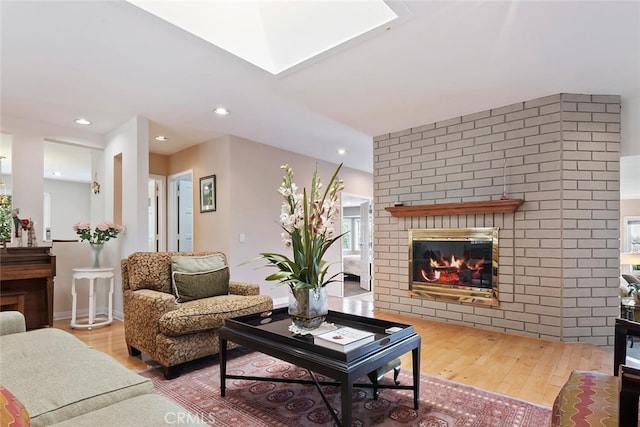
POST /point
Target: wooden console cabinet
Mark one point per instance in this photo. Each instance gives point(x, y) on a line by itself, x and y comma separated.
point(30, 270)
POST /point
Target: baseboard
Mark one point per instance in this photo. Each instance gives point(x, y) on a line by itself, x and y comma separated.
point(64, 315)
point(281, 302)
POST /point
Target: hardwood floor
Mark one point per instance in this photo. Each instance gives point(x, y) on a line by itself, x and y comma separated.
point(527, 368)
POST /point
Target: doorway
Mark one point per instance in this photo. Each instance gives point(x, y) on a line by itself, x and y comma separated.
point(357, 247)
point(180, 230)
point(156, 212)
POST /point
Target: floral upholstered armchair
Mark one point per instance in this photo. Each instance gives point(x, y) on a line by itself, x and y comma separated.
point(175, 302)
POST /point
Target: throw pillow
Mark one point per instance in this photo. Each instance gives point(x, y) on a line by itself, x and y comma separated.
point(12, 411)
point(196, 277)
point(197, 263)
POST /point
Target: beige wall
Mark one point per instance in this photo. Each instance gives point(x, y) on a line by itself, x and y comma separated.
point(247, 177)
point(255, 176)
point(209, 158)
point(158, 164)
point(248, 174)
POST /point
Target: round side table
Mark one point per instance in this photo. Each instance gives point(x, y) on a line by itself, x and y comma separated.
point(91, 274)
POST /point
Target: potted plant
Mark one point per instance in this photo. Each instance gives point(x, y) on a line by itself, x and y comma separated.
point(102, 233)
point(307, 220)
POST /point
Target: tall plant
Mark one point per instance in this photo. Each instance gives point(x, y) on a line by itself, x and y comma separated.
point(307, 220)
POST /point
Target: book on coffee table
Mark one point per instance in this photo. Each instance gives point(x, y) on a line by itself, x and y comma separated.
point(344, 339)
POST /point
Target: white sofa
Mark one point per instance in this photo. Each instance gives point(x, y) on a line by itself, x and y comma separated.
point(61, 381)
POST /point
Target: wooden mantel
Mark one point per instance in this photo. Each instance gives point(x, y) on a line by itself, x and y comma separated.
point(462, 208)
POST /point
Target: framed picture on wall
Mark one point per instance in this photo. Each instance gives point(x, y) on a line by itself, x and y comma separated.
point(208, 193)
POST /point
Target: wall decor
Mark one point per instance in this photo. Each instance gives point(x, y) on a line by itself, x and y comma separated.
point(95, 185)
point(208, 193)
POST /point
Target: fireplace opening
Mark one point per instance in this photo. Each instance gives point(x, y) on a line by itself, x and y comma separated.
point(455, 263)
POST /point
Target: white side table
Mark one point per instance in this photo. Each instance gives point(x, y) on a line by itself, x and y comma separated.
point(91, 274)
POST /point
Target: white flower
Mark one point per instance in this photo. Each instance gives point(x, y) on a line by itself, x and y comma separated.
point(309, 234)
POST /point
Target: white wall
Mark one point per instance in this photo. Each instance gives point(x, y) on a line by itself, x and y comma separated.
point(27, 188)
point(27, 152)
point(630, 127)
point(65, 194)
point(131, 140)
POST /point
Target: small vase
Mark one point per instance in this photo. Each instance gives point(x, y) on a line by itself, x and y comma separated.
point(308, 308)
point(96, 248)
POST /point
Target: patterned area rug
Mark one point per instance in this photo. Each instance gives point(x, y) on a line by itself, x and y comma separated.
point(259, 403)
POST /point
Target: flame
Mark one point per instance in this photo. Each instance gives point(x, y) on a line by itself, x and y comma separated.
point(456, 262)
point(448, 270)
point(436, 276)
point(477, 265)
point(453, 263)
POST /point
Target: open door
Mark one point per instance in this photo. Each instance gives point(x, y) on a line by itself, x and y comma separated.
point(185, 215)
point(365, 246)
point(156, 210)
point(181, 213)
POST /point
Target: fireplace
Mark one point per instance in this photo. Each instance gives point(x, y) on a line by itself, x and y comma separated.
point(454, 263)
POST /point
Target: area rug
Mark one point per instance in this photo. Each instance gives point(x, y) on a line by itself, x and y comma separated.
point(263, 403)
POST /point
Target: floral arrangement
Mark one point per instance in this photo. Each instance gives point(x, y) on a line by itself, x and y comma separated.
point(102, 233)
point(307, 221)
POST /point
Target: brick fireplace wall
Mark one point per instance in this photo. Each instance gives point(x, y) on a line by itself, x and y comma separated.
point(559, 253)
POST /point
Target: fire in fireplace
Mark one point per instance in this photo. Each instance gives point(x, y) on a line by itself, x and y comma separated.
point(455, 263)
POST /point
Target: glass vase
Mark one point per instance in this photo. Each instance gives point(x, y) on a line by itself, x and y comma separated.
point(96, 248)
point(308, 308)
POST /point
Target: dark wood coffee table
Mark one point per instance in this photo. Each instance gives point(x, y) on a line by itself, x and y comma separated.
point(269, 333)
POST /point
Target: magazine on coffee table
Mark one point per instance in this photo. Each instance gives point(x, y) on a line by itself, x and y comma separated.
point(344, 339)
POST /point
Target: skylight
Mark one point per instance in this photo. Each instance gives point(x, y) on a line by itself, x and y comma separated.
point(273, 35)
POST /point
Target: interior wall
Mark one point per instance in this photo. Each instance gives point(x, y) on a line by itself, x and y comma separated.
point(247, 203)
point(158, 164)
point(117, 189)
point(70, 255)
point(63, 195)
point(559, 254)
point(630, 127)
point(28, 185)
point(131, 142)
point(628, 208)
point(254, 178)
point(28, 139)
point(210, 229)
point(27, 152)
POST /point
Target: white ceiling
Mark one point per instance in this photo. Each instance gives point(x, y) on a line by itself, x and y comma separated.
point(109, 60)
point(260, 32)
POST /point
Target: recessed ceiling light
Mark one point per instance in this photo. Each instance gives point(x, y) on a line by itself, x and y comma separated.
point(82, 121)
point(221, 111)
point(342, 151)
point(161, 138)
